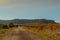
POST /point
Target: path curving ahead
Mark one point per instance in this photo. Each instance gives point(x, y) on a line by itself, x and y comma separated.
point(20, 34)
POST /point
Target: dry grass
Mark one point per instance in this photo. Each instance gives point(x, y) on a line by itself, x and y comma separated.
point(3, 31)
point(49, 31)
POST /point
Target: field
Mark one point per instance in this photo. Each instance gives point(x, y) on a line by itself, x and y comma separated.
point(45, 31)
point(6, 28)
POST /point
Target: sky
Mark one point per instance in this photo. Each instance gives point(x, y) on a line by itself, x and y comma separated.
point(30, 9)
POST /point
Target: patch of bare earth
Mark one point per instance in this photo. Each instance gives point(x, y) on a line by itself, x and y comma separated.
point(20, 34)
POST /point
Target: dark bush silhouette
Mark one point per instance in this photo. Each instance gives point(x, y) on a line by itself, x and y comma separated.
point(11, 25)
point(5, 27)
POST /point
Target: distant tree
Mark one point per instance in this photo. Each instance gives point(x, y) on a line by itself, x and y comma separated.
point(11, 24)
point(5, 26)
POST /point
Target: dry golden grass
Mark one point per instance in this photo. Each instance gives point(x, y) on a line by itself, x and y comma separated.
point(3, 31)
point(46, 31)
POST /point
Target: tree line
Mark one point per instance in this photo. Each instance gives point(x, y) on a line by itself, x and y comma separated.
point(9, 25)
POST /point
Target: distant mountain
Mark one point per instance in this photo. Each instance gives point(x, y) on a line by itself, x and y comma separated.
point(22, 21)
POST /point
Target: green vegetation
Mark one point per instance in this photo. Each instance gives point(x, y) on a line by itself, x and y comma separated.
point(6, 27)
point(11, 24)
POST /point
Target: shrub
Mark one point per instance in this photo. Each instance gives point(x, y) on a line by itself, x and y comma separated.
point(11, 24)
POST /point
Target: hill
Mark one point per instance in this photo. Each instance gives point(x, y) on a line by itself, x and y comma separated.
point(22, 21)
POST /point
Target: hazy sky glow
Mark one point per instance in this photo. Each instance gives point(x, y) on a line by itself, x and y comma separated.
point(49, 9)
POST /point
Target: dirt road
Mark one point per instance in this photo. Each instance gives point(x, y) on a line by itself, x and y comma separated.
point(20, 34)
